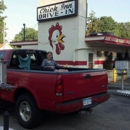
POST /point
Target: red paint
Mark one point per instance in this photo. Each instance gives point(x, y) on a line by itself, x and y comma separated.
point(43, 86)
point(80, 62)
point(110, 40)
point(72, 63)
point(65, 62)
point(61, 108)
point(99, 62)
point(59, 46)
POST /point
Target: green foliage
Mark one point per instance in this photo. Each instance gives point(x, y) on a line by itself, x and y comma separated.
point(93, 23)
point(30, 34)
point(107, 24)
point(14, 47)
point(124, 29)
point(1, 38)
point(108, 63)
point(2, 8)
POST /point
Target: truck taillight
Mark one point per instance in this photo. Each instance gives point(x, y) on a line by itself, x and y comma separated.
point(59, 88)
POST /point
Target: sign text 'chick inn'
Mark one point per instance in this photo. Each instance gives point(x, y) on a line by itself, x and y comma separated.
point(57, 10)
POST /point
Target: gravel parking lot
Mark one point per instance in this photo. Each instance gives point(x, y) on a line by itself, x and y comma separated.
point(111, 115)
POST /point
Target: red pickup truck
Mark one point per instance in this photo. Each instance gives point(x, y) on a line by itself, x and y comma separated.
point(36, 90)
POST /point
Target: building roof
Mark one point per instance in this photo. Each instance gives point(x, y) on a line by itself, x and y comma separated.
point(109, 40)
point(23, 43)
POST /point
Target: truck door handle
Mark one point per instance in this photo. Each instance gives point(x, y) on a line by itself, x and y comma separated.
point(88, 76)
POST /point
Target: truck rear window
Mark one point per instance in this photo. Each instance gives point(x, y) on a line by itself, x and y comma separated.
point(2, 54)
point(36, 58)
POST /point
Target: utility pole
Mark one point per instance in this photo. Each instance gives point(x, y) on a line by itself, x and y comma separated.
point(24, 32)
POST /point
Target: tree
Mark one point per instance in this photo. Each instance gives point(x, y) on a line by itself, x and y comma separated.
point(30, 34)
point(124, 30)
point(93, 23)
point(107, 24)
point(102, 24)
point(2, 8)
point(1, 31)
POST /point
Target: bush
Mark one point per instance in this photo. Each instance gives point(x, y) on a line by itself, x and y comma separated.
point(108, 64)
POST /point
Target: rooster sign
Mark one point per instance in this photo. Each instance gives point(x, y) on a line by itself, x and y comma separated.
point(56, 38)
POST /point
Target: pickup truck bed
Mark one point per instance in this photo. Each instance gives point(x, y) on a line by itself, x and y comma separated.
point(36, 90)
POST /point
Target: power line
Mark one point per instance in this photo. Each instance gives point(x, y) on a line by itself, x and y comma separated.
point(35, 25)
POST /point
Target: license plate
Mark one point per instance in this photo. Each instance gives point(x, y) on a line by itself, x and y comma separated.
point(87, 101)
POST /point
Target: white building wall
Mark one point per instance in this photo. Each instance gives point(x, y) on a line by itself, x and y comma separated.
point(74, 30)
point(112, 48)
point(70, 39)
point(76, 49)
point(30, 47)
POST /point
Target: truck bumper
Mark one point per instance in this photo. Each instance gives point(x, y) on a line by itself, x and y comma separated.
point(77, 105)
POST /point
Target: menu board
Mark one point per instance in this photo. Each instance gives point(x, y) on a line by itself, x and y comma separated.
point(122, 65)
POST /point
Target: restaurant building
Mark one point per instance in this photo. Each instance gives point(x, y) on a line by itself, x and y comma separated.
point(62, 30)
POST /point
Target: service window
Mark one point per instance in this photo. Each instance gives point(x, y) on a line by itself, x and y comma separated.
point(100, 53)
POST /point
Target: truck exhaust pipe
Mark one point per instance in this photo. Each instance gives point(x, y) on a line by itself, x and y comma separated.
point(90, 110)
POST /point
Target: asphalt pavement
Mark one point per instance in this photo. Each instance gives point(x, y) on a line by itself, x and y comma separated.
point(118, 84)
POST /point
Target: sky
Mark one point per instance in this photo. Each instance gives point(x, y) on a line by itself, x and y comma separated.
point(19, 12)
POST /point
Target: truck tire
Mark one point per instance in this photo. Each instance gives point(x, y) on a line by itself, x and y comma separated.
point(28, 114)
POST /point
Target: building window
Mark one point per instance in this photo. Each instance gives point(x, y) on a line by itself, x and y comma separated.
point(106, 53)
point(100, 53)
point(119, 56)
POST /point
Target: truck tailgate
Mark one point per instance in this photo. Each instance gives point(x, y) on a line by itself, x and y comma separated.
point(84, 84)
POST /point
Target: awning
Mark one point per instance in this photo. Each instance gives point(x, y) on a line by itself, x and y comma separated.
point(24, 43)
point(108, 40)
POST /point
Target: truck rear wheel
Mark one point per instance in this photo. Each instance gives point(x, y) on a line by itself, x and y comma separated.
point(28, 114)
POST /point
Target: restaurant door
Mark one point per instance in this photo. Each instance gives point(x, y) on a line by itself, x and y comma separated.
point(90, 60)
